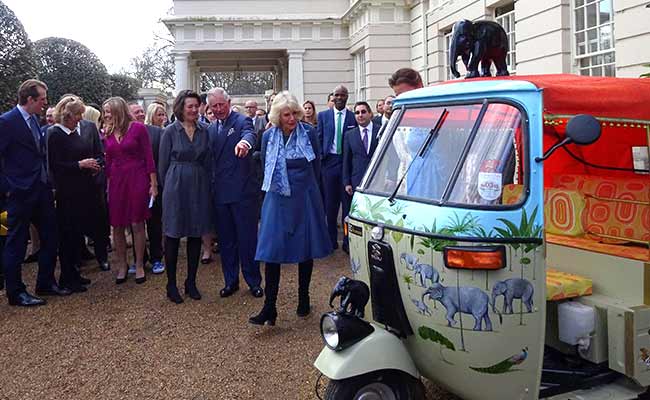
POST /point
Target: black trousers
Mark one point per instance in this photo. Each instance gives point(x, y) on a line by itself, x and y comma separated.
point(96, 226)
point(35, 205)
point(71, 218)
point(154, 231)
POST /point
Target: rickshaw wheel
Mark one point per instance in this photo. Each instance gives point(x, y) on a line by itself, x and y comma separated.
point(382, 385)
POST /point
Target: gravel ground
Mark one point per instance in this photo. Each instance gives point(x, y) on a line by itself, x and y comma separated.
point(129, 342)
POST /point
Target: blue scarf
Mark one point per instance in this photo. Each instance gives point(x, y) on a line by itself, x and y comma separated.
point(276, 178)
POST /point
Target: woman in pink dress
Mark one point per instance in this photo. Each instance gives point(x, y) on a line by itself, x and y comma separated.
point(131, 175)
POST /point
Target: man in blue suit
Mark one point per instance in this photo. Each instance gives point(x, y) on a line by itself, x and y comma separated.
point(359, 145)
point(29, 196)
point(235, 190)
point(332, 123)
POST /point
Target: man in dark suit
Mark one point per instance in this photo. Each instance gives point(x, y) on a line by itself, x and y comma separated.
point(359, 145)
point(23, 156)
point(259, 126)
point(235, 190)
point(332, 123)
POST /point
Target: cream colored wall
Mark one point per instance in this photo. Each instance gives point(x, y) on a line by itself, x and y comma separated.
point(543, 33)
point(323, 71)
point(259, 8)
point(632, 35)
point(383, 33)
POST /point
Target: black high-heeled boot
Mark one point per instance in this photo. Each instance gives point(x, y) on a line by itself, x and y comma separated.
point(304, 278)
point(171, 258)
point(269, 312)
point(193, 251)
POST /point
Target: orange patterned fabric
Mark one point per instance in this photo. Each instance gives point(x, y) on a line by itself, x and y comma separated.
point(563, 285)
point(511, 193)
point(563, 210)
point(605, 215)
point(633, 252)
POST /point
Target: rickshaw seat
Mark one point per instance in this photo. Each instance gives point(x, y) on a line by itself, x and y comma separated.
point(563, 285)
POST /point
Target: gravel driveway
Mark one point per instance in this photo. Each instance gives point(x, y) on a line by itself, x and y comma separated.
point(129, 342)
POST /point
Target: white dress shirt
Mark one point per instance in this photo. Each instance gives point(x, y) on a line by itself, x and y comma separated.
point(336, 118)
point(369, 127)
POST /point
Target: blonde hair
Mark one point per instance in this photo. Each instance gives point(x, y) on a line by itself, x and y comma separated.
point(151, 111)
point(91, 114)
point(120, 116)
point(281, 101)
point(68, 107)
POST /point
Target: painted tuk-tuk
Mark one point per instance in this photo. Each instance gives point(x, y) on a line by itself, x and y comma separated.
point(502, 233)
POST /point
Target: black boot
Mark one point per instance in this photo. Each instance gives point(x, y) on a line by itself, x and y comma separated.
point(271, 285)
point(193, 250)
point(171, 258)
point(304, 278)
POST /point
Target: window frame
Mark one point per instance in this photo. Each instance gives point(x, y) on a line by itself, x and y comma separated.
point(577, 58)
point(360, 78)
point(512, 48)
point(525, 121)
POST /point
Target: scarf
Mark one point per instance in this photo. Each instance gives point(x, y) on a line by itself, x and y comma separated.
point(276, 178)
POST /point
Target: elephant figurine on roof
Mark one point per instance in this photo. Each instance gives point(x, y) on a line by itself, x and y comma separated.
point(481, 41)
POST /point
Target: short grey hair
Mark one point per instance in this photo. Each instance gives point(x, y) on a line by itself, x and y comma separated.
point(281, 101)
point(219, 92)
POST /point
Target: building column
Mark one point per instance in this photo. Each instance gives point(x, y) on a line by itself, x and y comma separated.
point(277, 81)
point(182, 68)
point(282, 65)
point(296, 77)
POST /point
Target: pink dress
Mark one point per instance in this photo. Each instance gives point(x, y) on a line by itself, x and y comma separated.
point(128, 165)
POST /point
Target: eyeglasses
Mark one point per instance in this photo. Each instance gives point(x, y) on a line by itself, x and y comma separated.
point(361, 112)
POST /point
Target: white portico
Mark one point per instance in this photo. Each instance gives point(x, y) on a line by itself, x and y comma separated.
point(311, 46)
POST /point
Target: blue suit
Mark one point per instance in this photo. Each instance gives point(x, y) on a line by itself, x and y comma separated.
point(355, 157)
point(333, 191)
point(235, 188)
point(30, 200)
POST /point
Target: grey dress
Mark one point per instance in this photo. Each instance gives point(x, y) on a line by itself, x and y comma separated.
point(184, 168)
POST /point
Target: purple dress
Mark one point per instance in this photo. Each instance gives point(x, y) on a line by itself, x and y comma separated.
point(128, 165)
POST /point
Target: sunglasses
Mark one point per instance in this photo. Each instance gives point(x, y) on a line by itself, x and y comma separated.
point(361, 112)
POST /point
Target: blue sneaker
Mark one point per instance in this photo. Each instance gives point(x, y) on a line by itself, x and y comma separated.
point(158, 267)
point(132, 269)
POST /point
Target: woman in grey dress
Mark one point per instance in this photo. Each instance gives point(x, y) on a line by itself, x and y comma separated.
point(184, 169)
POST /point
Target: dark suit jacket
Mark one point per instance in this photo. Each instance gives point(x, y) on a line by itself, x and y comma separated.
point(20, 158)
point(326, 127)
point(259, 125)
point(233, 178)
point(355, 158)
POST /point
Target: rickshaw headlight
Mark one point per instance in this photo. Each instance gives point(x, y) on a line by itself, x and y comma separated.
point(329, 332)
point(340, 331)
point(377, 233)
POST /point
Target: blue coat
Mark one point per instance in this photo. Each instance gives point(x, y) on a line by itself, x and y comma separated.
point(233, 178)
point(326, 128)
point(355, 158)
point(21, 159)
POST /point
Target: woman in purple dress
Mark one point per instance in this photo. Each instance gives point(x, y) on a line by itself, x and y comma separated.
point(132, 182)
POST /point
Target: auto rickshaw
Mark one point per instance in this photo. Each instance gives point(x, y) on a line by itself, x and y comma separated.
point(502, 232)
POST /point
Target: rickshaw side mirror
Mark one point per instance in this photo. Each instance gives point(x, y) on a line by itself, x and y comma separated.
point(582, 129)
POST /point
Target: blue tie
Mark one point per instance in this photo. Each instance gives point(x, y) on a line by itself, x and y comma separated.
point(36, 132)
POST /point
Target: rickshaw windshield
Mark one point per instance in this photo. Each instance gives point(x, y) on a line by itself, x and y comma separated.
point(471, 157)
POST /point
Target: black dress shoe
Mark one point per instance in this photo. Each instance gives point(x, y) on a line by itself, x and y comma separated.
point(228, 291)
point(32, 257)
point(141, 280)
point(173, 295)
point(105, 266)
point(25, 299)
point(53, 290)
point(257, 291)
point(84, 281)
point(76, 288)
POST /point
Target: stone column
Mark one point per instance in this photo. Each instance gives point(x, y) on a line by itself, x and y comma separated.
point(182, 63)
point(296, 78)
point(277, 83)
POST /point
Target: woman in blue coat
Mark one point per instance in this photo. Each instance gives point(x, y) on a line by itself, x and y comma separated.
point(293, 228)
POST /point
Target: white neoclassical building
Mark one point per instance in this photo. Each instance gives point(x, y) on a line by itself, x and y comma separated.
point(312, 45)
